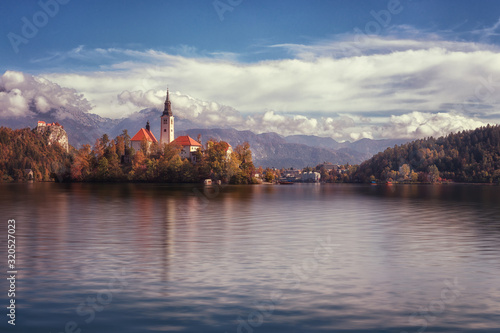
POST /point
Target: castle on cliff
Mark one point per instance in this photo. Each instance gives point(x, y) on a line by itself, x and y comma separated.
point(55, 132)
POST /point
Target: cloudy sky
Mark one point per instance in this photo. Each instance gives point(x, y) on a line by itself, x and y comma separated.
point(342, 69)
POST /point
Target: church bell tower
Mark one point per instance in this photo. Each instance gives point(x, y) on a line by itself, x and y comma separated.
point(167, 123)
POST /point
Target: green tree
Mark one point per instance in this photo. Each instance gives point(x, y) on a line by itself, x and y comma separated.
point(102, 173)
point(433, 173)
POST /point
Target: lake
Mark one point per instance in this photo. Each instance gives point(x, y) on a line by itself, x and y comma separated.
point(287, 258)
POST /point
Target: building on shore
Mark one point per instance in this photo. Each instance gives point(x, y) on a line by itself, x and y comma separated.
point(143, 135)
point(188, 145)
point(327, 166)
point(311, 177)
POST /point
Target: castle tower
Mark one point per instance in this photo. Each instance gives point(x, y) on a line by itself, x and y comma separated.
point(167, 123)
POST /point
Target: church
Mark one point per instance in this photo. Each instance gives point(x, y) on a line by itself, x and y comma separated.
point(189, 145)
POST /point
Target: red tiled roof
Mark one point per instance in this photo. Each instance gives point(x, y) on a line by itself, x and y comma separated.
point(144, 134)
point(41, 122)
point(186, 140)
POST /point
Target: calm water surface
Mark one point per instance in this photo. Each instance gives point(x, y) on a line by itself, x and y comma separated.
point(300, 258)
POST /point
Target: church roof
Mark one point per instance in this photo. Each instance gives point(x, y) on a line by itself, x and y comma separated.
point(144, 134)
point(186, 140)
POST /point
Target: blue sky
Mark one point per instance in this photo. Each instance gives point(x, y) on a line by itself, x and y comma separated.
point(246, 29)
point(296, 67)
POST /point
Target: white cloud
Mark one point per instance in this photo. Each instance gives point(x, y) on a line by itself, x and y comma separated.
point(13, 103)
point(21, 94)
point(212, 114)
point(21, 90)
point(407, 75)
point(419, 125)
point(486, 33)
point(327, 89)
point(352, 45)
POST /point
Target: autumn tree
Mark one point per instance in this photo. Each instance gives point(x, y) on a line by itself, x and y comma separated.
point(244, 155)
point(139, 167)
point(404, 171)
point(81, 167)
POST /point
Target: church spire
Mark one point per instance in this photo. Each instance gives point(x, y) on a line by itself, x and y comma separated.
point(168, 107)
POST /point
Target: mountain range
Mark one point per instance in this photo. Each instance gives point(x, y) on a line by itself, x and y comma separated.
point(269, 149)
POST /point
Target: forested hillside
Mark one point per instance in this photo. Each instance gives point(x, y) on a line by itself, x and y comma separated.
point(24, 149)
point(25, 154)
point(468, 156)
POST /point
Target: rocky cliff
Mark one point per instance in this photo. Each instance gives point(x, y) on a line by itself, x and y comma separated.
point(54, 133)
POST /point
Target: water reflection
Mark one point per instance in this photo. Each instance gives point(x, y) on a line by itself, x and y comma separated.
point(203, 260)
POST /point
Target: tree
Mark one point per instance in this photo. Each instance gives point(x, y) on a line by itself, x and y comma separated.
point(138, 167)
point(102, 173)
point(269, 175)
point(413, 177)
point(464, 156)
point(27, 149)
point(170, 150)
point(127, 143)
point(145, 146)
point(244, 155)
point(98, 149)
point(433, 173)
point(404, 171)
point(325, 175)
point(120, 145)
point(307, 169)
point(216, 159)
point(81, 166)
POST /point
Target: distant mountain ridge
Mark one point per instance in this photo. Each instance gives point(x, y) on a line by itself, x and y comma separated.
point(365, 146)
point(273, 150)
point(82, 127)
point(85, 128)
point(269, 149)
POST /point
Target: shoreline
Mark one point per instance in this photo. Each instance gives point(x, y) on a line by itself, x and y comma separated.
point(262, 183)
